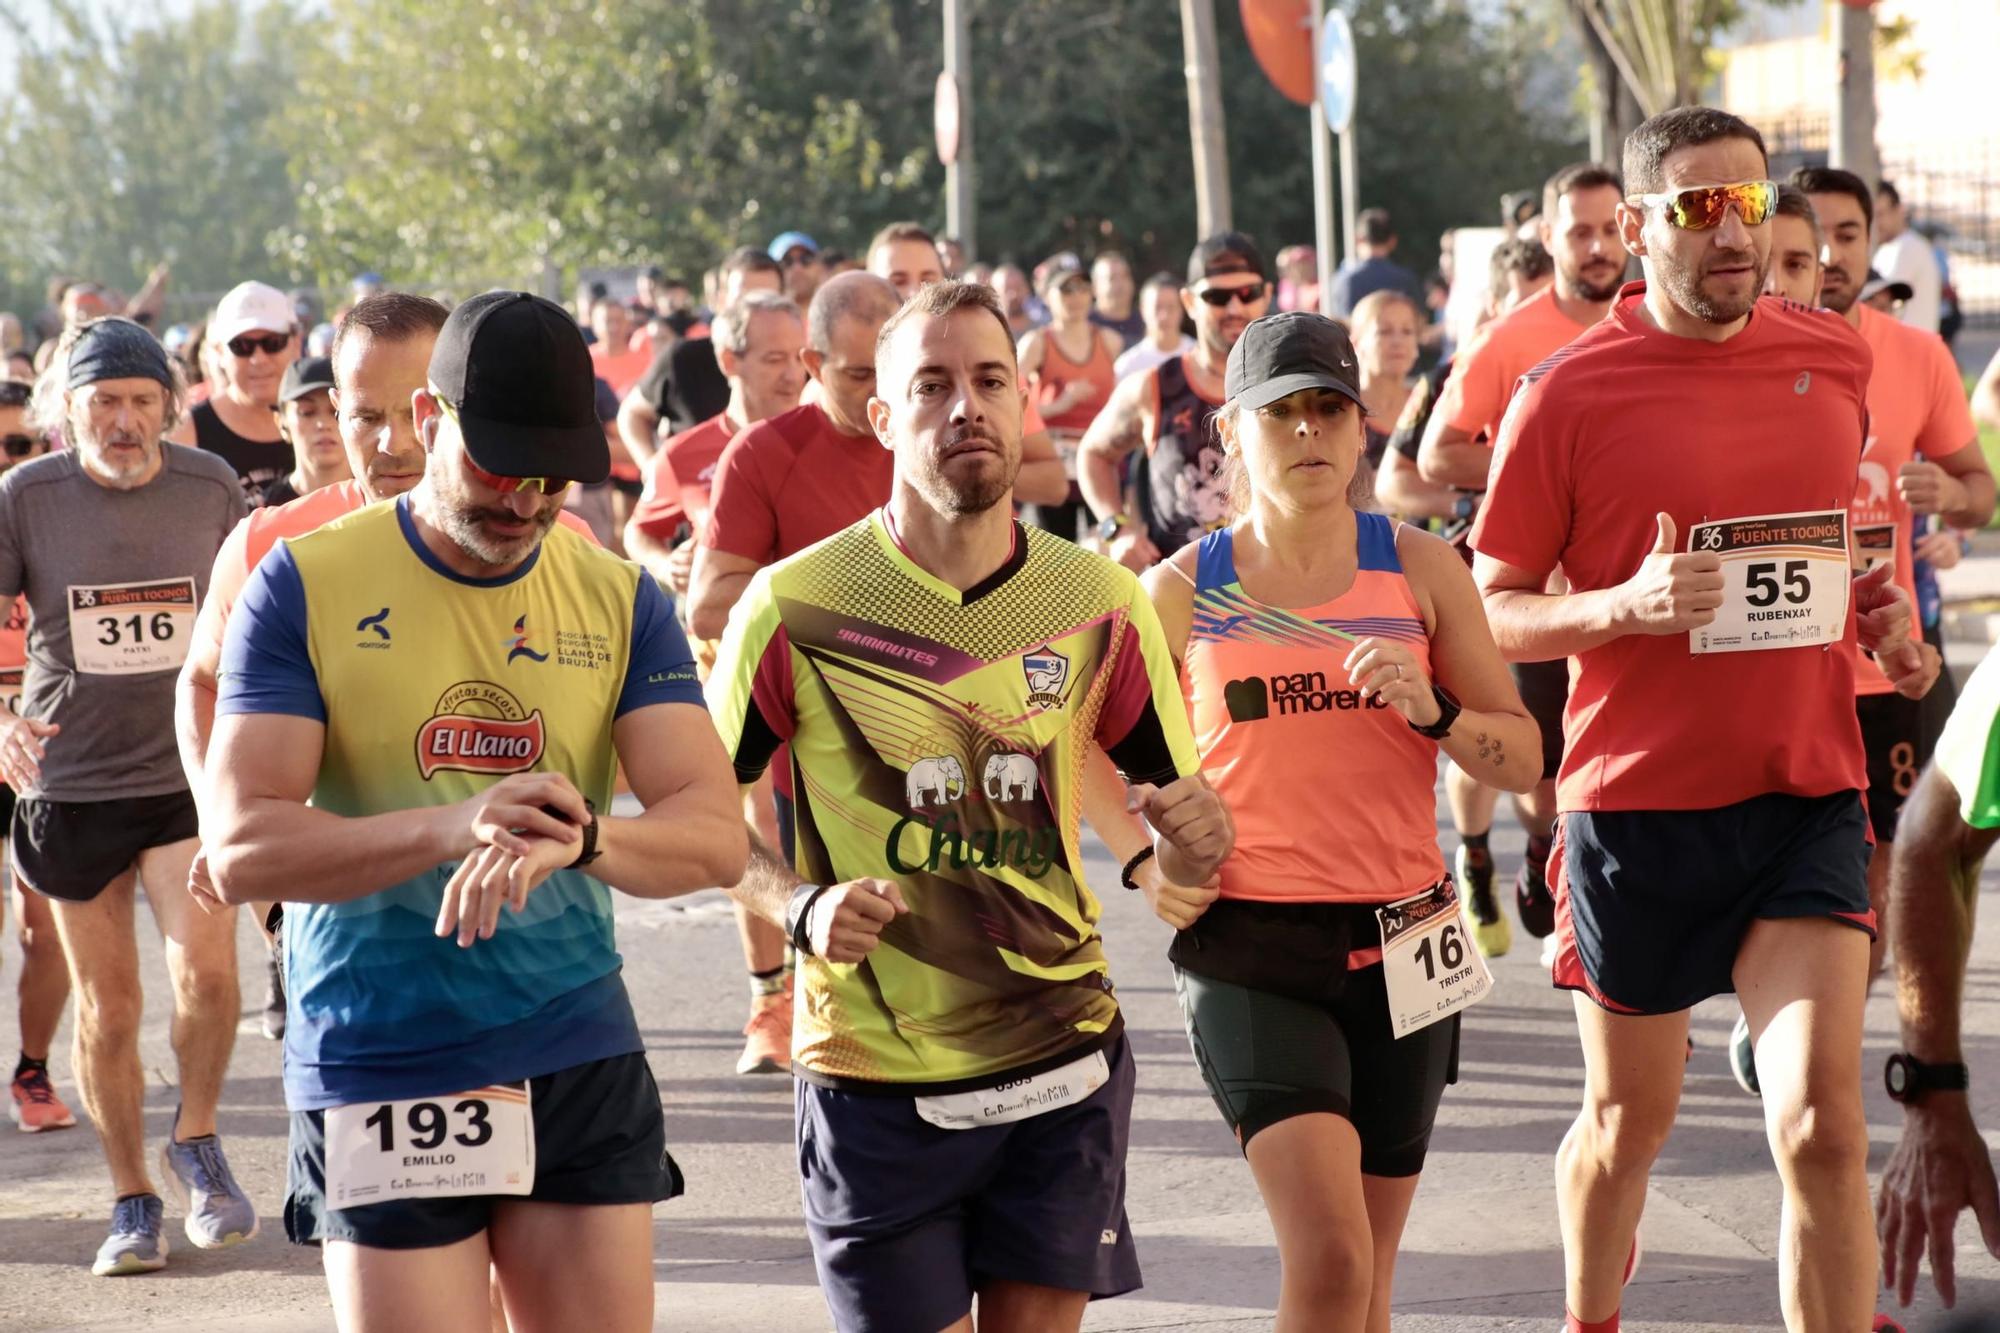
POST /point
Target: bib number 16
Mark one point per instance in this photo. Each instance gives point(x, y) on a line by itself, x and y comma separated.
point(1450, 951)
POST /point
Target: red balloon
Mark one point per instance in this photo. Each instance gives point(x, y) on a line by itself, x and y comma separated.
point(1280, 33)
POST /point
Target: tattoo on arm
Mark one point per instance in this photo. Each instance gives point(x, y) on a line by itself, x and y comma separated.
point(1492, 748)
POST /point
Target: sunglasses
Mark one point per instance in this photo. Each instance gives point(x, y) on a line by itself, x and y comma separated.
point(247, 344)
point(1220, 297)
point(1700, 207)
point(18, 446)
point(505, 485)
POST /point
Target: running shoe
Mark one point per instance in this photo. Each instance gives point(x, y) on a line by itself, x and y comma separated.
point(767, 1044)
point(138, 1239)
point(35, 1106)
point(1534, 901)
point(219, 1213)
point(1885, 1324)
point(1491, 934)
point(274, 998)
point(1742, 1059)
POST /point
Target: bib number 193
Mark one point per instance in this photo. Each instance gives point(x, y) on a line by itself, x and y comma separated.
point(466, 1143)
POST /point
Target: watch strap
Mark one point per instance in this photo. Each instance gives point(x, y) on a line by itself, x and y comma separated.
point(589, 852)
point(1448, 711)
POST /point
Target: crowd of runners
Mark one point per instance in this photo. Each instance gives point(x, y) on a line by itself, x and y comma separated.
point(856, 586)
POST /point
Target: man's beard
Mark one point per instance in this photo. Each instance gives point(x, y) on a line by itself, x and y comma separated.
point(461, 519)
point(1595, 292)
point(1684, 286)
point(966, 496)
point(116, 468)
point(1840, 302)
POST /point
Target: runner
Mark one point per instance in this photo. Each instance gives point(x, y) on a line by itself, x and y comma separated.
point(1579, 229)
point(1796, 246)
point(1940, 1166)
point(252, 339)
point(1384, 329)
point(1111, 293)
point(1305, 1039)
point(1160, 305)
point(939, 670)
point(905, 256)
point(102, 805)
point(1067, 367)
point(1921, 458)
point(310, 429)
point(798, 255)
point(684, 386)
point(779, 486)
point(43, 987)
point(1713, 837)
point(515, 655)
point(1164, 419)
point(758, 341)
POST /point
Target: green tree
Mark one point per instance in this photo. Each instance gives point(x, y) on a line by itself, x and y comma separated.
point(125, 145)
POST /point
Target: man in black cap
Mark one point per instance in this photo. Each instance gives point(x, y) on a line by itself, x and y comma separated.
point(308, 423)
point(102, 800)
point(1166, 417)
point(423, 708)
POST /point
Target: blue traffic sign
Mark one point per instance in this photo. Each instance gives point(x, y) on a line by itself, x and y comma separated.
point(1335, 71)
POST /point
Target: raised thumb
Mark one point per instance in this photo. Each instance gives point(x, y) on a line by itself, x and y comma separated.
point(1665, 544)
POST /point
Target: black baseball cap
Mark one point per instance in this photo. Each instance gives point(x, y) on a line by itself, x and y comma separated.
point(307, 374)
point(1282, 354)
point(517, 374)
point(1224, 252)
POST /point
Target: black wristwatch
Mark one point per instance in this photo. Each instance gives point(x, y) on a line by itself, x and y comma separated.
point(1448, 711)
point(589, 852)
point(1110, 527)
point(1909, 1079)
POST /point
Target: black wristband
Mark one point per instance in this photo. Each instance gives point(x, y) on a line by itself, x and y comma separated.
point(798, 916)
point(1139, 859)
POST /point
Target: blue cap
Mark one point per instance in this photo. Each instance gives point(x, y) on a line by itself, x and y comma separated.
point(790, 241)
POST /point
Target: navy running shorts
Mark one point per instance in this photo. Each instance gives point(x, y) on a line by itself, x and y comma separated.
point(1892, 734)
point(600, 1138)
point(72, 850)
point(1652, 906)
point(909, 1220)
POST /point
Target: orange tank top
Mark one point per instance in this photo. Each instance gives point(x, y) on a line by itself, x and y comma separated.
point(1058, 372)
point(1332, 795)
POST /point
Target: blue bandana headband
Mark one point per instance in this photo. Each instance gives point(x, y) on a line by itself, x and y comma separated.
point(117, 349)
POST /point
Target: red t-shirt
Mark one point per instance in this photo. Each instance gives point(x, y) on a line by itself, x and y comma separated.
point(1916, 405)
point(1628, 422)
point(793, 480)
point(1483, 376)
point(679, 476)
point(13, 654)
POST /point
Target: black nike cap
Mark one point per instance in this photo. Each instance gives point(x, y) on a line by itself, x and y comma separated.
point(1224, 252)
point(517, 374)
point(1282, 354)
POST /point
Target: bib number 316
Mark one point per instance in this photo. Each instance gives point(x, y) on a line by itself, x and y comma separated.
point(1429, 966)
point(466, 1143)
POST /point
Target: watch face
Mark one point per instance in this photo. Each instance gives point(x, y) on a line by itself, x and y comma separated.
point(1896, 1074)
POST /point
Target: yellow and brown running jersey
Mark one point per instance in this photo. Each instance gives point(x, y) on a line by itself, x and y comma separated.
point(938, 740)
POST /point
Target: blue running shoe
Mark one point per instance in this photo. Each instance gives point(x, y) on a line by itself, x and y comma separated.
point(138, 1240)
point(219, 1213)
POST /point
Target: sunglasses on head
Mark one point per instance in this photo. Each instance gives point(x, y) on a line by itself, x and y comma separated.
point(18, 446)
point(246, 345)
point(1699, 207)
point(505, 485)
point(1220, 297)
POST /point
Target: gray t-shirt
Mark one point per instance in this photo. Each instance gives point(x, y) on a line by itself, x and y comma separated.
point(113, 580)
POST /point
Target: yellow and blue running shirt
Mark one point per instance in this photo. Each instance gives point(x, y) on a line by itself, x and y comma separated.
point(938, 740)
point(433, 686)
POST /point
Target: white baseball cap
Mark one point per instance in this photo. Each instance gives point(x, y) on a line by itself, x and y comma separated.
point(251, 307)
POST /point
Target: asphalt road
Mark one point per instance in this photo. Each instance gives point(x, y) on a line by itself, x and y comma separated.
point(1481, 1253)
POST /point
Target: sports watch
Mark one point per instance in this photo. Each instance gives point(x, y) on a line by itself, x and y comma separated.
point(1448, 711)
point(1110, 527)
point(1909, 1079)
point(589, 852)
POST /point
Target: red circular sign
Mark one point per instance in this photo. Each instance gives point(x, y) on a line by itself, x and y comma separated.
point(1280, 33)
point(944, 117)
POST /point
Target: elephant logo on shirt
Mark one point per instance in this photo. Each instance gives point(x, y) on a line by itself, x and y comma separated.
point(934, 782)
point(1872, 489)
point(1011, 777)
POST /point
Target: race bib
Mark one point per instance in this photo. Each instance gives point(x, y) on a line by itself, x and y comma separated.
point(477, 1142)
point(1428, 962)
point(12, 679)
point(125, 629)
point(1877, 544)
point(1784, 582)
point(1022, 1099)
